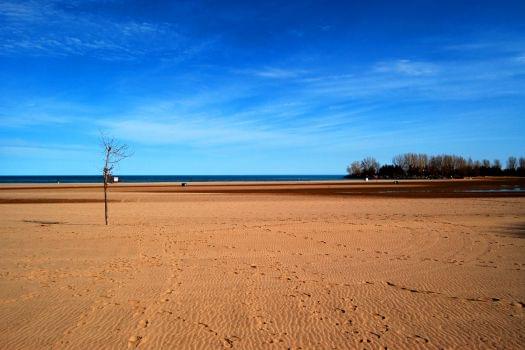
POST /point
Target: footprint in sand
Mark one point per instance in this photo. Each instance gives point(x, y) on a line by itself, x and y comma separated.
point(134, 341)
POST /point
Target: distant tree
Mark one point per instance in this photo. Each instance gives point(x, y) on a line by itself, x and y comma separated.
point(447, 167)
point(418, 165)
point(485, 168)
point(389, 171)
point(512, 164)
point(113, 154)
point(521, 167)
point(435, 166)
point(470, 167)
point(496, 168)
point(369, 166)
point(421, 165)
point(410, 161)
point(412, 164)
point(476, 168)
point(354, 169)
point(460, 166)
point(400, 162)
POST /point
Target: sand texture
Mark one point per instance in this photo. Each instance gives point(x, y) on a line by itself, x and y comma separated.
point(214, 269)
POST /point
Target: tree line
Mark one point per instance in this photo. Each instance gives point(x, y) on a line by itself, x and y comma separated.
point(420, 165)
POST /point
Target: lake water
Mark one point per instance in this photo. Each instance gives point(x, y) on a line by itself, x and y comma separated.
point(164, 178)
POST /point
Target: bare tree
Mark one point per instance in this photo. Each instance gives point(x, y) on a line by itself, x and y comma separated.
point(447, 167)
point(399, 161)
point(369, 166)
point(417, 165)
point(521, 167)
point(413, 164)
point(113, 154)
point(460, 166)
point(512, 163)
point(354, 169)
point(436, 166)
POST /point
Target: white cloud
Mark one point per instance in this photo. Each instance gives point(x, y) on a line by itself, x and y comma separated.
point(404, 80)
point(35, 111)
point(407, 67)
point(22, 148)
point(273, 72)
point(189, 131)
point(493, 46)
point(46, 29)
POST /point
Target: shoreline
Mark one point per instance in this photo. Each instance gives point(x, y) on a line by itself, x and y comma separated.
point(454, 188)
point(272, 182)
point(260, 182)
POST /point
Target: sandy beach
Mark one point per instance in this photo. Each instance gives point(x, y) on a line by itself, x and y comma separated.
point(429, 264)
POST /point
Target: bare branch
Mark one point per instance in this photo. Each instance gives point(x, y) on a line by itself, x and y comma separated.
point(113, 154)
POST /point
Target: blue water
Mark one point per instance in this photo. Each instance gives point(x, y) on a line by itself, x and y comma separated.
point(164, 178)
point(504, 190)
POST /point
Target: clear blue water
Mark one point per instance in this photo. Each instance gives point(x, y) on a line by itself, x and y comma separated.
point(164, 178)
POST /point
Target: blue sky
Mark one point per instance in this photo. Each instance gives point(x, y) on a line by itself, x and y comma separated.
point(275, 87)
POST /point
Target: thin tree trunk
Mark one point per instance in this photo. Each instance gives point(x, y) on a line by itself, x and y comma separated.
point(113, 153)
point(106, 175)
point(105, 199)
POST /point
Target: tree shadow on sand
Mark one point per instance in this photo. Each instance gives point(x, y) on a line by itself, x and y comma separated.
point(44, 222)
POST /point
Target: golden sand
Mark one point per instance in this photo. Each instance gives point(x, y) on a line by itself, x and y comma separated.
point(220, 270)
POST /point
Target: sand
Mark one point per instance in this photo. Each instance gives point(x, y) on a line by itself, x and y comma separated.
point(216, 266)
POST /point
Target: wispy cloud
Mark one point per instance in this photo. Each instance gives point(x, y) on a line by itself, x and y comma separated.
point(195, 132)
point(10, 121)
point(426, 81)
point(23, 148)
point(407, 67)
point(503, 45)
point(32, 112)
point(304, 84)
point(308, 110)
point(354, 130)
point(46, 28)
point(14, 12)
point(274, 73)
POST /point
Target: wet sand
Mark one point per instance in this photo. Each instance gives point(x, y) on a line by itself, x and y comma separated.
point(464, 188)
point(425, 264)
